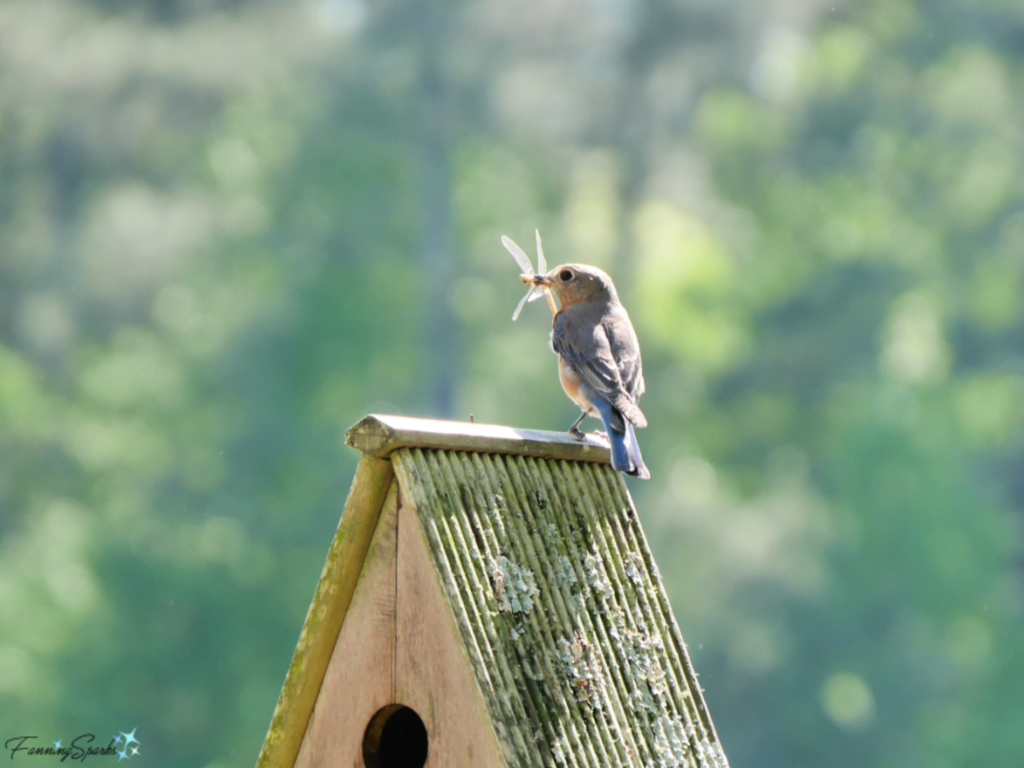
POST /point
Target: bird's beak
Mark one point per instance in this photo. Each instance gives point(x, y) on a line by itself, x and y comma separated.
point(542, 280)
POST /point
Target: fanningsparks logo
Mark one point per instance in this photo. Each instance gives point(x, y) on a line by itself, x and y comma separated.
point(124, 746)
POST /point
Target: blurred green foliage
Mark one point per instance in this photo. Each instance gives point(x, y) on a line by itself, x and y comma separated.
point(228, 230)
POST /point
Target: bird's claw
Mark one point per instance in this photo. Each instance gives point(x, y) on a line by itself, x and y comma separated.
point(577, 433)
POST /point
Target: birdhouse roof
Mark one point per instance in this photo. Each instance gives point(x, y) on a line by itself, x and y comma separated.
point(551, 585)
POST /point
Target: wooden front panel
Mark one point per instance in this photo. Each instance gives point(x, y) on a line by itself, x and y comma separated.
point(360, 676)
point(432, 670)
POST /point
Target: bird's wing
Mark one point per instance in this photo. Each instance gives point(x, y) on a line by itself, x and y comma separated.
point(625, 351)
point(580, 338)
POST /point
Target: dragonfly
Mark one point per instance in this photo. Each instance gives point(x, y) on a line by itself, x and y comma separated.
point(535, 291)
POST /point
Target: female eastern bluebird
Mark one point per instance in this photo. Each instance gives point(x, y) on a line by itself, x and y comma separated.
point(598, 358)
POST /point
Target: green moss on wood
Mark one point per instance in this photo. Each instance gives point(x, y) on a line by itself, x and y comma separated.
point(561, 610)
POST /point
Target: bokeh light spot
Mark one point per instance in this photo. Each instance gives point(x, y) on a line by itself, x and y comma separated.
point(848, 700)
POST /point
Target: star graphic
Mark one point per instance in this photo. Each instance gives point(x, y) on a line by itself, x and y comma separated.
point(117, 739)
point(122, 754)
point(129, 738)
point(56, 745)
point(135, 751)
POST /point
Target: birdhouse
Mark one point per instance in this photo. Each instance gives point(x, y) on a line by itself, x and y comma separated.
point(489, 600)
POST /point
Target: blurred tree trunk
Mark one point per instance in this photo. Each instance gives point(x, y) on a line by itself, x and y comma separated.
point(437, 256)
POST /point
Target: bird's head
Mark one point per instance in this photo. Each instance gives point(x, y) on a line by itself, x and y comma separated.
point(575, 283)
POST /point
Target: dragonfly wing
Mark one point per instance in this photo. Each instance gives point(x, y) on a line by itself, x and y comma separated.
point(522, 303)
point(517, 253)
point(542, 265)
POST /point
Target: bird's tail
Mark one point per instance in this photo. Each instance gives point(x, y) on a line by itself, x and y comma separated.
point(633, 449)
point(625, 449)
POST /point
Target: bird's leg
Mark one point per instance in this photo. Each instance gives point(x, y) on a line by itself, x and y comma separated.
point(574, 430)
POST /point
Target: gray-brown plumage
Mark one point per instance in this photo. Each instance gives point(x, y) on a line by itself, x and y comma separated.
point(599, 357)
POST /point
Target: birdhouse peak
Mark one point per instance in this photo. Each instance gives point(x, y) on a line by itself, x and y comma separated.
point(497, 582)
point(379, 436)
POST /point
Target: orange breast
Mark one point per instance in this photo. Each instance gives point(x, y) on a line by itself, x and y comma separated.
point(571, 384)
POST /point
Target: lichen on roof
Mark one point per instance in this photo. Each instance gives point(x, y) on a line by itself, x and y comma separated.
point(514, 586)
point(561, 611)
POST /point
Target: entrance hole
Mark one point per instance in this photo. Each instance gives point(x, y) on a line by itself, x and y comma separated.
point(395, 738)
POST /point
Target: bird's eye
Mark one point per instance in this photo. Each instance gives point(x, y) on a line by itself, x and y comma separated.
point(565, 276)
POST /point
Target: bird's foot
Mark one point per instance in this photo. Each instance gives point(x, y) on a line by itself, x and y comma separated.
point(578, 433)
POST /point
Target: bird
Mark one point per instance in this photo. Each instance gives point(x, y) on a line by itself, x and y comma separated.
point(599, 363)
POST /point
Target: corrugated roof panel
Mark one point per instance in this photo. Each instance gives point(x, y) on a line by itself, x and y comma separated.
point(561, 609)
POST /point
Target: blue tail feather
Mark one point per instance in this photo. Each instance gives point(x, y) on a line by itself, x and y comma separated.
point(633, 448)
point(625, 449)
